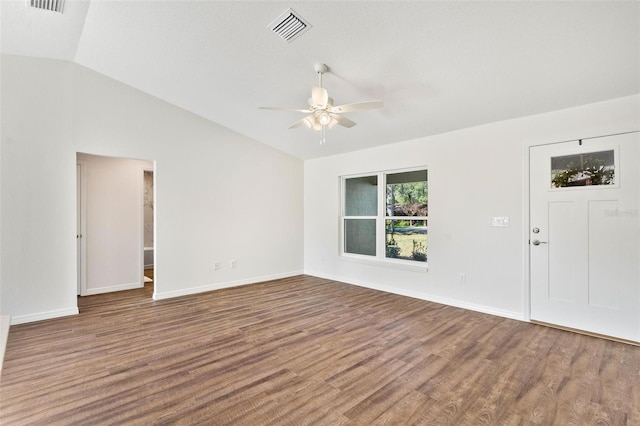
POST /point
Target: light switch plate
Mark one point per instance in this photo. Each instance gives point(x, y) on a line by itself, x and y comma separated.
point(500, 221)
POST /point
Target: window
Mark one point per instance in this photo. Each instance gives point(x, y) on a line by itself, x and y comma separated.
point(384, 216)
point(593, 168)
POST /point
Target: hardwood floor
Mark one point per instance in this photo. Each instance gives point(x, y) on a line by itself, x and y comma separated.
point(306, 350)
point(149, 273)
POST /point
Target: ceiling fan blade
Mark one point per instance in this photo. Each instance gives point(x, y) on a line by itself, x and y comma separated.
point(320, 97)
point(310, 121)
point(297, 124)
point(343, 121)
point(287, 109)
point(358, 106)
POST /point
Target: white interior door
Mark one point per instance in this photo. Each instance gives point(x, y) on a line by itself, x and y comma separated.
point(80, 230)
point(585, 235)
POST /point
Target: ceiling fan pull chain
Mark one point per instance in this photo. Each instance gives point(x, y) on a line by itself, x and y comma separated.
point(324, 133)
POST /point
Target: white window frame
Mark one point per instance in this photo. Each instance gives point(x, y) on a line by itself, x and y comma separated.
point(380, 258)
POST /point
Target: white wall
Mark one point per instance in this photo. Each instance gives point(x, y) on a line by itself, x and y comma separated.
point(219, 195)
point(474, 175)
point(38, 189)
point(114, 222)
point(204, 171)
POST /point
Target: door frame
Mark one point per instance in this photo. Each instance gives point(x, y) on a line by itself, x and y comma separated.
point(85, 164)
point(82, 264)
point(151, 169)
point(527, 210)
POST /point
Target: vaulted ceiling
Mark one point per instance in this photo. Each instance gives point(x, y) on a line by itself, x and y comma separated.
point(437, 65)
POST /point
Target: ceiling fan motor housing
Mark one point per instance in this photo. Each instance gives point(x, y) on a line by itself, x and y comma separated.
point(321, 68)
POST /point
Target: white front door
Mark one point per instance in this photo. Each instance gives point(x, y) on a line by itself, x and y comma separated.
point(585, 235)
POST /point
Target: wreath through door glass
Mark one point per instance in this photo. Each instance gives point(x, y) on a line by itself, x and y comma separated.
point(593, 168)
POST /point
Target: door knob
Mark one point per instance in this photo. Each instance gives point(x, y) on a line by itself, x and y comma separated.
point(538, 242)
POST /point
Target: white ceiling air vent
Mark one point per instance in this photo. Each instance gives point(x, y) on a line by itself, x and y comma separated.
point(289, 26)
point(52, 5)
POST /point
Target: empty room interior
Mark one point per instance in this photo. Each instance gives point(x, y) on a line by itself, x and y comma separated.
point(319, 212)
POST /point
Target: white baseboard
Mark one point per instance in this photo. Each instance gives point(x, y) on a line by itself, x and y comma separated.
point(219, 286)
point(21, 319)
point(425, 296)
point(5, 322)
point(119, 287)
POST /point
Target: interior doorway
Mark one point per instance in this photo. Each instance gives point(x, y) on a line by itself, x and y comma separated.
point(111, 225)
point(149, 228)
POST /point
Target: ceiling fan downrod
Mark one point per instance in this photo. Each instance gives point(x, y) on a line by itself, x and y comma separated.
point(320, 69)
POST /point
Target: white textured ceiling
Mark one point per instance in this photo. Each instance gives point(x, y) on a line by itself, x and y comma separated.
point(438, 66)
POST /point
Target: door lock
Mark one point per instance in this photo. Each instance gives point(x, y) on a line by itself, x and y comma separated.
point(535, 230)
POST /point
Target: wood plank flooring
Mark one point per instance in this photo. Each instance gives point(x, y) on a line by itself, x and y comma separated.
point(304, 351)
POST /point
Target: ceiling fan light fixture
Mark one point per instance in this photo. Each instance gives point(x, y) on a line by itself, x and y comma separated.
point(324, 119)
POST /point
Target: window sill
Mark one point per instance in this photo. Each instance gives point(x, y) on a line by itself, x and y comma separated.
point(387, 263)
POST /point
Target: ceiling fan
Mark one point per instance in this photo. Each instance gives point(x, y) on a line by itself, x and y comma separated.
point(322, 113)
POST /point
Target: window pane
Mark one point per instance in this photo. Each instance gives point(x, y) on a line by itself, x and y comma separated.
point(407, 194)
point(594, 168)
point(406, 239)
point(360, 236)
point(361, 196)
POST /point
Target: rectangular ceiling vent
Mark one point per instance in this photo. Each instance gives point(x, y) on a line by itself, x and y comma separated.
point(52, 5)
point(289, 26)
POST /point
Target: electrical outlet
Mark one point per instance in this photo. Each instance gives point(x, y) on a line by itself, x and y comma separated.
point(234, 263)
point(462, 277)
point(216, 266)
